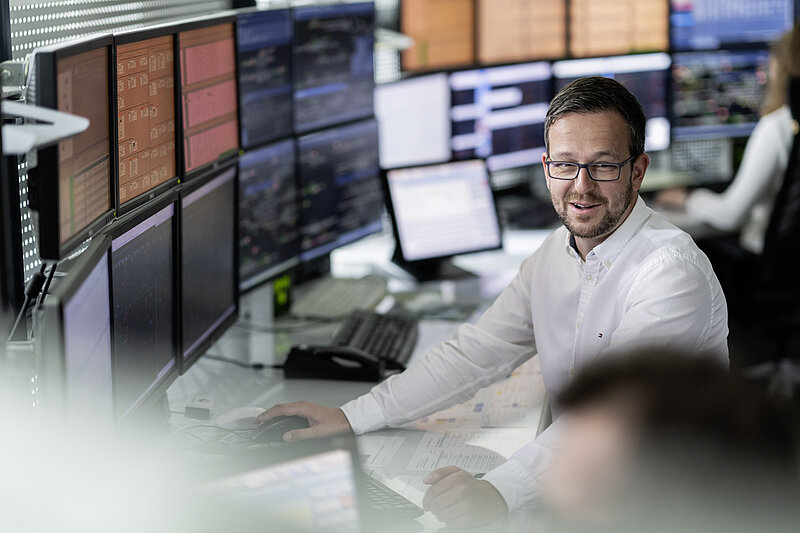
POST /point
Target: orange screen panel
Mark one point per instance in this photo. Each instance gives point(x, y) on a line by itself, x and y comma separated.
point(84, 169)
point(145, 115)
point(521, 30)
point(607, 27)
point(208, 95)
point(443, 33)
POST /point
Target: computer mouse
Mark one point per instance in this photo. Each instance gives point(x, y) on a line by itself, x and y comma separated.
point(273, 430)
point(239, 418)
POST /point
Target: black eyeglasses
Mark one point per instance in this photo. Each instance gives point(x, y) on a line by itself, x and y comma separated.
point(568, 170)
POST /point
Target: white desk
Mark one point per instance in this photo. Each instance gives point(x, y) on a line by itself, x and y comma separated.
point(477, 435)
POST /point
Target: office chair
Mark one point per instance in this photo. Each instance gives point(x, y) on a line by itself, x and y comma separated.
point(770, 296)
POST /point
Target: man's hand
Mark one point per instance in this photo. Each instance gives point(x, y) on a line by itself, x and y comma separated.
point(322, 421)
point(459, 500)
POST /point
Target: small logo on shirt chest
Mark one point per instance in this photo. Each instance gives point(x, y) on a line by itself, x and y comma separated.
point(599, 334)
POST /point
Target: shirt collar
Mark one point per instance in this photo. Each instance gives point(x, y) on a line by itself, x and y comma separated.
point(608, 250)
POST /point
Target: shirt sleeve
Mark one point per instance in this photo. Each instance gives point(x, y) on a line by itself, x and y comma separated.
point(452, 372)
point(518, 480)
point(764, 158)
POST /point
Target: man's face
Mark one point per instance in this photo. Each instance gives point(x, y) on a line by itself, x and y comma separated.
point(593, 209)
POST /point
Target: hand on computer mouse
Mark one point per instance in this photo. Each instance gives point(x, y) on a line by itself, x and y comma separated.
point(322, 421)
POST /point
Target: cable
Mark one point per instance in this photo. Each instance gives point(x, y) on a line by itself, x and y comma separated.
point(254, 366)
point(32, 290)
point(46, 288)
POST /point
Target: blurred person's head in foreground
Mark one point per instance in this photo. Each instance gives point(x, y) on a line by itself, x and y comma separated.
point(661, 442)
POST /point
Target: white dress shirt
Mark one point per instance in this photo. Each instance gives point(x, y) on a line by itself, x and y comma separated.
point(646, 285)
point(747, 203)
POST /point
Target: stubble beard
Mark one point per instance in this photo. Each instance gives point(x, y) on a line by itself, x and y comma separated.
point(606, 224)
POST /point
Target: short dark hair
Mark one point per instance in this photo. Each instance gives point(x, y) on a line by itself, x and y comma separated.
point(596, 94)
point(708, 441)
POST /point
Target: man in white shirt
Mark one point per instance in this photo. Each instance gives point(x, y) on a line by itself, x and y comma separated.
point(617, 276)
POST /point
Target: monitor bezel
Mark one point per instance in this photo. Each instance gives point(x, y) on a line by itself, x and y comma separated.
point(223, 17)
point(44, 178)
point(119, 228)
point(133, 36)
point(273, 138)
point(51, 349)
point(247, 284)
point(300, 130)
point(399, 254)
point(185, 362)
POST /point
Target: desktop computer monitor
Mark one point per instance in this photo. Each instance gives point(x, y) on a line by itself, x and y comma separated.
point(439, 211)
point(145, 96)
point(611, 27)
point(70, 189)
point(443, 33)
point(268, 213)
point(209, 106)
point(340, 189)
point(497, 114)
point(714, 24)
point(414, 120)
point(717, 94)
point(264, 52)
point(505, 30)
point(645, 75)
point(209, 275)
point(332, 64)
point(144, 307)
point(73, 346)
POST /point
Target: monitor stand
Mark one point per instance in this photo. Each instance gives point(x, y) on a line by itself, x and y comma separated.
point(432, 269)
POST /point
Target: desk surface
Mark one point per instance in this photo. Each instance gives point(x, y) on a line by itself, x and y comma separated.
point(477, 435)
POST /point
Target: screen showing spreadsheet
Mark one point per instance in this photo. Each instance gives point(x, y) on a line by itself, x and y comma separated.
point(443, 210)
point(208, 95)
point(145, 115)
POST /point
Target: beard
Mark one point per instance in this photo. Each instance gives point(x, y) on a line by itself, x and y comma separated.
point(611, 218)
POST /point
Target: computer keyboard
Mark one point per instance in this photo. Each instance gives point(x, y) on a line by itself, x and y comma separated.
point(390, 337)
point(384, 500)
point(337, 297)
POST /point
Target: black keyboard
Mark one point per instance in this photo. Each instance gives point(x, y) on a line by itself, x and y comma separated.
point(383, 499)
point(389, 337)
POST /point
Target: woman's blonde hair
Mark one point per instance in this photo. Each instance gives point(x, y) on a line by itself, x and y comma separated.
point(786, 54)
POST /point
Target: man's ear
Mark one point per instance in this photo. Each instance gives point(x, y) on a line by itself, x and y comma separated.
point(544, 166)
point(639, 170)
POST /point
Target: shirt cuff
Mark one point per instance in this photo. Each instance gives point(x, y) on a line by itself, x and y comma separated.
point(515, 484)
point(364, 414)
